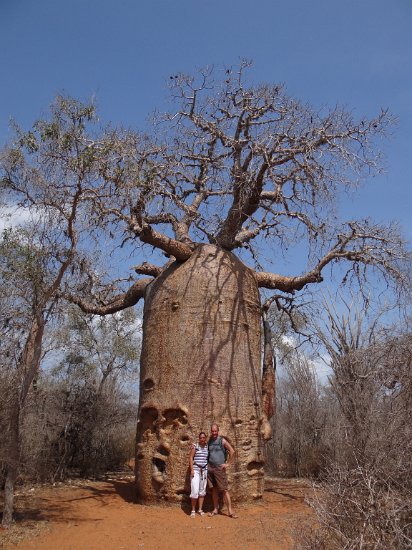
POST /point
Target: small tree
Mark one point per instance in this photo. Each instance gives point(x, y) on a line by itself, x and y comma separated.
point(30, 304)
point(44, 173)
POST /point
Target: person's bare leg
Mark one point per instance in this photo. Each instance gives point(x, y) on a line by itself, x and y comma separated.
point(201, 499)
point(228, 502)
point(194, 504)
point(215, 497)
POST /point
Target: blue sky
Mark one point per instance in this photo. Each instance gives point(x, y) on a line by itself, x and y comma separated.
point(357, 53)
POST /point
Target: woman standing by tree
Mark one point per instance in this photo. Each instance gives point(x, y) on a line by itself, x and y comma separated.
point(198, 472)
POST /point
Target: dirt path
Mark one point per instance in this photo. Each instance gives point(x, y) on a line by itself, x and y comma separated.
point(103, 515)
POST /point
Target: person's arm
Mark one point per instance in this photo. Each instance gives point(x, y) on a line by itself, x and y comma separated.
point(230, 450)
point(191, 457)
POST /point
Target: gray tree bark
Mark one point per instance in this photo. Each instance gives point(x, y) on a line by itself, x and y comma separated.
point(201, 363)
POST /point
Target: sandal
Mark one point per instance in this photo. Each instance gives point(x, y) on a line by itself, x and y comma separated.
point(214, 513)
point(233, 516)
point(193, 514)
point(201, 513)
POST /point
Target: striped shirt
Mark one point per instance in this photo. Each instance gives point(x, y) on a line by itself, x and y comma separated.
point(201, 454)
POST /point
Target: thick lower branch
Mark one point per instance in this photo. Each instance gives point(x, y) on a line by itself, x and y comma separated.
point(147, 268)
point(122, 301)
point(338, 252)
point(181, 251)
point(285, 283)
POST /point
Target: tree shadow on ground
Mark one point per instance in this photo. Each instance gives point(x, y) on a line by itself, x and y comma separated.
point(287, 495)
point(126, 490)
point(287, 488)
point(48, 507)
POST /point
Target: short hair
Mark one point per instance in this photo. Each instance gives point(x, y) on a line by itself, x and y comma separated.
point(202, 433)
point(214, 424)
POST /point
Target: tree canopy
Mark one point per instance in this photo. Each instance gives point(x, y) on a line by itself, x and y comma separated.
point(237, 165)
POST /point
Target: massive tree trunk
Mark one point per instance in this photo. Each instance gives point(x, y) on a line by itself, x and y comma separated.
point(201, 363)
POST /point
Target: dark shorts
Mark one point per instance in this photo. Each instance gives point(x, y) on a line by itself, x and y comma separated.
point(217, 477)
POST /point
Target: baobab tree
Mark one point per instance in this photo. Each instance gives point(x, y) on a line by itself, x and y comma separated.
point(232, 169)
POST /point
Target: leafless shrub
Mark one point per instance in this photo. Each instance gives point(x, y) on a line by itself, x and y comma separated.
point(365, 499)
point(361, 508)
point(69, 429)
point(298, 448)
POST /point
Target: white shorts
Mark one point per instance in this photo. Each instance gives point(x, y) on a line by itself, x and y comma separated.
point(198, 483)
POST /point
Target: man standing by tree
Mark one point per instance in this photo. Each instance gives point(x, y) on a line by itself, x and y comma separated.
point(216, 472)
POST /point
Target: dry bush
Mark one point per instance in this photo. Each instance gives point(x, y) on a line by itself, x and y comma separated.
point(71, 430)
point(365, 499)
point(361, 508)
point(297, 448)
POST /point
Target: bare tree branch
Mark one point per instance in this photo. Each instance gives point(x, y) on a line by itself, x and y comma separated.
point(361, 244)
point(179, 250)
point(119, 302)
point(147, 268)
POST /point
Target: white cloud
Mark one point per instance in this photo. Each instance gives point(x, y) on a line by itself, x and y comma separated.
point(14, 216)
point(322, 368)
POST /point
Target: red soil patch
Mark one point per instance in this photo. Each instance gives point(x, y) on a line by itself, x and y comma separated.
point(103, 515)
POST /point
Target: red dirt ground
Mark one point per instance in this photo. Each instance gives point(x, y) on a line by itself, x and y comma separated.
point(103, 515)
